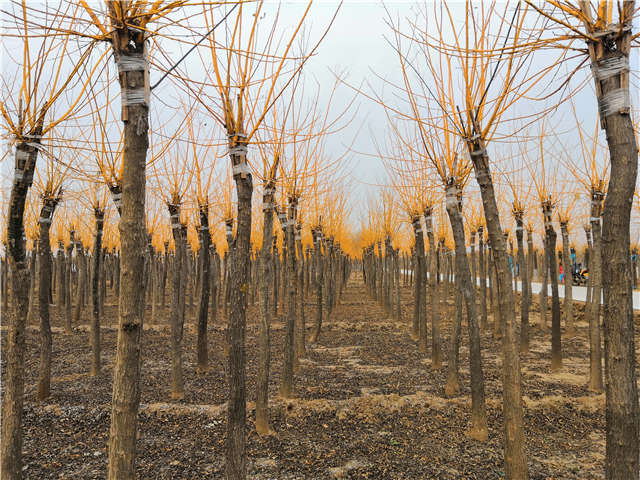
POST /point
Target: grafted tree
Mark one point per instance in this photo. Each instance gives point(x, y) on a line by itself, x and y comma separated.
point(127, 26)
point(27, 112)
point(246, 73)
point(544, 181)
point(609, 39)
point(484, 47)
point(591, 170)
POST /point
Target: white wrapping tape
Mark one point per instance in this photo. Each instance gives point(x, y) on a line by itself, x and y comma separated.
point(269, 191)
point(175, 220)
point(452, 196)
point(131, 63)
point(22, 156)
point(240, 149)
point(241, 169)
point(267, 206)
point(609, 67)
point(614, 101)
point(18, 174)
point(133, 96)
point(478, 153)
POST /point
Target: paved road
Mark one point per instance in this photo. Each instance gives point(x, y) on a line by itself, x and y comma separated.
point(579, 293)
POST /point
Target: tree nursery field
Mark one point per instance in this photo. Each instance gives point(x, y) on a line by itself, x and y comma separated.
point(307, 240)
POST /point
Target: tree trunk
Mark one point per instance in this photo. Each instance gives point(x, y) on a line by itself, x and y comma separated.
point(44, 250)
point(319, 281)
point(133, 241)
point(544, 291)
point(33, 303)
point(452, 387)
point(415, 331)
point(622, 410)
point(205, 286)
point(286, 387)
point(530, 261)
point(60, 281)
point(4, 288)
point(13, 387)
point(178, 294)
point(525, 298)
point(68, 326)
point(463, 275)
point(436, 354)
point(419, 313)
point(396, 271)
point(593, 307)
point(301, 321)
point(82, 279)
point(556, 333)
point(236, 456)
point(276, 275)
point(264, 340)
point(484, 322)
point(95, 297)
point(515, 457)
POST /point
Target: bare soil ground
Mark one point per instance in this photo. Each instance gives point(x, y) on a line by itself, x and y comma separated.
point(368, 404)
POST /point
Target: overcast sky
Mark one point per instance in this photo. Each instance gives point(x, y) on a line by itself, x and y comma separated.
point(356, 44)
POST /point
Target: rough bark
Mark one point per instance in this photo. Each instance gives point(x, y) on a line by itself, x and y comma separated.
point(133, 240)
point(396, 271)
point(33, 304)
point(205, 287)
point(525, 299)
point(515, 457)
point(544, 302)
point(436, 353)
point(264, 340)
point(452, 387)
point(418, 290)
point(68, 325)
point(46, 341)
point(319, 281)
point(463, 275)
point(178, 294)
point(622, 411)
point(95, 298)
point(301, 329)
point(13, 387)
point(286, 386)
point(483, 279)
point(550, 254)
point(236, 456)
point(82, 280)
